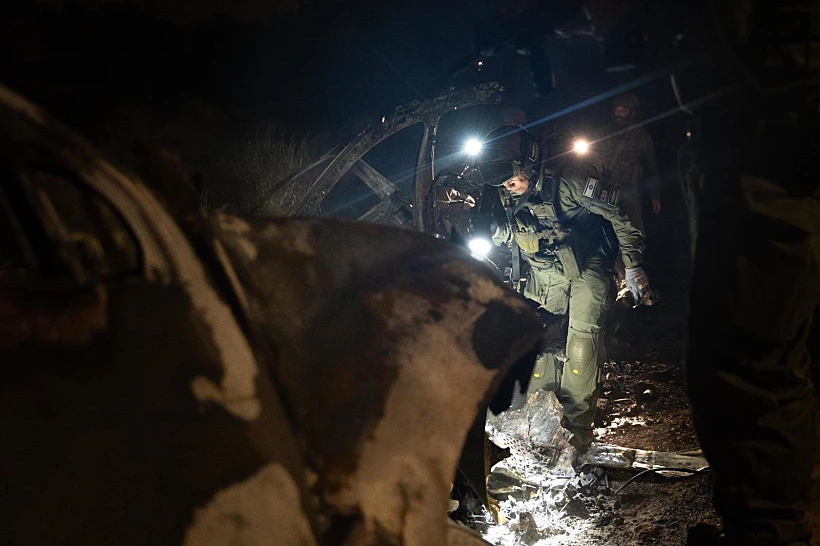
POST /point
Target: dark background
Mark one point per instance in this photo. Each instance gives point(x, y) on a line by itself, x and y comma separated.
point(320, 65)
point(200, 77)
point(325, 65)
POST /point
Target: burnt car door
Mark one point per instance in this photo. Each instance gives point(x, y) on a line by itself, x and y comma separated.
point(277, 382)
point(130, 394)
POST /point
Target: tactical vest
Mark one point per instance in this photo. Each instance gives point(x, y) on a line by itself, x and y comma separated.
point(537, 227)
point(544, 235)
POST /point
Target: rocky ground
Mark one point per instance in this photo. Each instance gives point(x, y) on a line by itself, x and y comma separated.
point(643, 405)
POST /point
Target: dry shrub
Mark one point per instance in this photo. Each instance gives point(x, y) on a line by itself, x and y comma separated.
point(243, 175)
point(239, 159)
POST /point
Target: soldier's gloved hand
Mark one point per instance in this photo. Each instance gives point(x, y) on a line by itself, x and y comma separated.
point(637, 282)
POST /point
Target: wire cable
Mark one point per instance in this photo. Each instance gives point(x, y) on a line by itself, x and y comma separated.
point(660, 469)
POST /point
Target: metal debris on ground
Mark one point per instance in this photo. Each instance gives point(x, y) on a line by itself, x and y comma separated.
point(536, 492)
point(539, 445)
point(537, 496)
point(638, 459)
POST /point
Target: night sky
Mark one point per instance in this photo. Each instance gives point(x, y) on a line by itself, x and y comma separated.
point(320, 65)
point(136, 70)
point(310, 63)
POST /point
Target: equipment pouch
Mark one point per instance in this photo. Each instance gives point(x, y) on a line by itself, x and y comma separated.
point(569, 261)
point(527, 242)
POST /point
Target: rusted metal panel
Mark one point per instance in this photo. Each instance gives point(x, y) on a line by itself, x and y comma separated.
point(126, 438)
point(403, 117)
point(129, 402)
point(388, 349)
point(328, 405)
point(44, 314)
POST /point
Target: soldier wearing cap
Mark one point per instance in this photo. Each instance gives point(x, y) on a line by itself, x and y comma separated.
point(626, 153)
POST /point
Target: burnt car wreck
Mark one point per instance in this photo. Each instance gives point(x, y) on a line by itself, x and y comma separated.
point(567, 293)
point(204, 379)
point(242, 380)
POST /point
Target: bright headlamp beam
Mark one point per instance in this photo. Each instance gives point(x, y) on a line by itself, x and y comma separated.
point(479, 248)
point(581, 146)
point(472, 147)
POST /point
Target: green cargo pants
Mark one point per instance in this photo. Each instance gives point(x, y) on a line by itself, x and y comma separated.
point(587, 299)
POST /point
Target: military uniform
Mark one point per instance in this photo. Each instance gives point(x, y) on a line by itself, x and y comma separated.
point(560, 230)
point(627, 155)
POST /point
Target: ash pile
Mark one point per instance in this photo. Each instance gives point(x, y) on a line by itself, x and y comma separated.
point(536, 495)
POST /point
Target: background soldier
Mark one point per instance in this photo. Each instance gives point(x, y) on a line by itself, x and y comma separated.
point(626, 154)
point(556, 214)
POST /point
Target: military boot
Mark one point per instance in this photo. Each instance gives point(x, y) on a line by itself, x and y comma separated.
point(581, 440)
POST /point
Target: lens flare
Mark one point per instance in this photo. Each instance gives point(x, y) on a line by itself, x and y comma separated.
point(581, 146)
point(480, 248)
point(472, 146)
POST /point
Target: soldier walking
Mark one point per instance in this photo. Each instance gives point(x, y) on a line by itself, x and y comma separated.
point(564, 220)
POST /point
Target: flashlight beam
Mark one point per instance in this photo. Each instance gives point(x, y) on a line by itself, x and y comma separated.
point(479, 248)
point(581, 146)
point(473, 147)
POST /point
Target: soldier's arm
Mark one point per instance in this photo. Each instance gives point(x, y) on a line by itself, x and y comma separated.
point(503, 234)
point(580, 190)
point(650, 168)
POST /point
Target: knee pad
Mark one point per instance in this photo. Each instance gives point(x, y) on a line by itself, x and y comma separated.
point(581, 354)
point(544, 374)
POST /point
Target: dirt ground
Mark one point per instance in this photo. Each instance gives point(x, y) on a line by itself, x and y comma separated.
point(643, 405)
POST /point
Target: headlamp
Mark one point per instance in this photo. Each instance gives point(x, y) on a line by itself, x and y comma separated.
point(473, 147)
point(580, 146)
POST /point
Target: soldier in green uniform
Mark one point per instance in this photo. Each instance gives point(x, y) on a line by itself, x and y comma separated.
point(626, 153)
point(564, 218)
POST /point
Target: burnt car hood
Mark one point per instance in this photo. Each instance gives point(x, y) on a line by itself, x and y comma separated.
point(388, 344)
point(276, 382)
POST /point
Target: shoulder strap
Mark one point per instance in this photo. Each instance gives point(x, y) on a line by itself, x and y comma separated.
point(549, 189)
point(509, 210)
point(515, 274)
